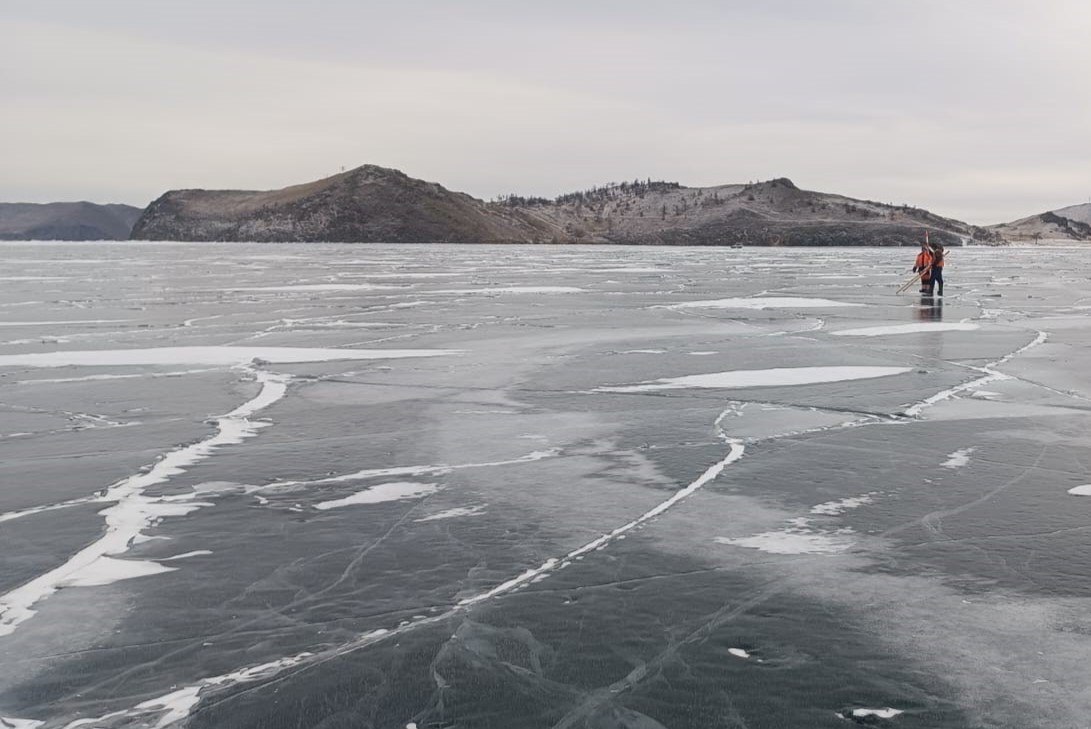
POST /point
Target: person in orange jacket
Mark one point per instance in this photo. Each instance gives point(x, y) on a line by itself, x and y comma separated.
point(936, 271)
point(923, 265)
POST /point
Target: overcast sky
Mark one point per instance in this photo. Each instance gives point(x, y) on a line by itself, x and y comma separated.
point(975, 109)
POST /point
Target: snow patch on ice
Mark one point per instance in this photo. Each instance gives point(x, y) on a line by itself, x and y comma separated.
point(886, 713)
point(906, 329)
point(1084, 490)
point(54, 323)
point(393, 491)
point(833, 508)
point(409, 471)
point(958, 459)
point(513, 290)
point(794, 540)
point(107, 570)
point(456, 512)
point(187, 555)
point(764, 302)
point(7, 722)
point(777, 376)
point(738, 652)
point(318, 287)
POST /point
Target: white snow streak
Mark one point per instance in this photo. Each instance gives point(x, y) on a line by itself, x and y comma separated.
point(991, 375)
point(777, 376)
point(764, 302)
point(454, 513)
point(906, 329)
point(393, 491)
point(133, 512)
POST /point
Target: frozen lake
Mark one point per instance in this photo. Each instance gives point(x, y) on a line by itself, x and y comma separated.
point(502, 487)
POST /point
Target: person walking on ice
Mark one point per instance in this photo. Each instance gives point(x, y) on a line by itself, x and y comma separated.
point(923, 266)
point(936, 271)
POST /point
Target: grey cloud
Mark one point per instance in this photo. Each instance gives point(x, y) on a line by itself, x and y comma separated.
point(951, 106)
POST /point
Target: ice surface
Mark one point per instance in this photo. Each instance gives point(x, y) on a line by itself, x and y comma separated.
point(777, 376)
point(227, 356)
point(712, 513)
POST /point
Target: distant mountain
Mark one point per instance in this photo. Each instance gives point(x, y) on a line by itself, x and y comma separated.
point(66, 221)
point(376, 204)
point(1071, 223)
point(1080, 213)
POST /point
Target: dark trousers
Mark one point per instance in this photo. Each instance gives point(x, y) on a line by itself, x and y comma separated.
point(937, 278)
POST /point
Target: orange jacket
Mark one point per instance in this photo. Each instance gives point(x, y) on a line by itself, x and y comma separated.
point(924, 261)
point(937, 259)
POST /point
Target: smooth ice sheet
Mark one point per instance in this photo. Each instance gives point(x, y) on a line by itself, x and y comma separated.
point(226, 356)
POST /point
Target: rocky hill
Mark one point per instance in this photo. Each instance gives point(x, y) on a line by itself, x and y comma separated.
point(375, 204)
point(367, 204)
point(1080, 213)
point(66, 221)
point(1071, 223)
